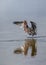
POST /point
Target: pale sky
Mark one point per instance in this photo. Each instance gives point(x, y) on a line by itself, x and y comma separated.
point(11, 9)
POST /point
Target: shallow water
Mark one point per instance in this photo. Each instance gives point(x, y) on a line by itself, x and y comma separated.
point(12, 37)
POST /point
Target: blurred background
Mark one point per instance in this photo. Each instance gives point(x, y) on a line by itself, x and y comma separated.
point(19, 10)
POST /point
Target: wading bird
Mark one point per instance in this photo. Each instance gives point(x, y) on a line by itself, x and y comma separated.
point(30, 30)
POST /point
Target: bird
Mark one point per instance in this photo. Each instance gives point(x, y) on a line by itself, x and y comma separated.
point(29, 30)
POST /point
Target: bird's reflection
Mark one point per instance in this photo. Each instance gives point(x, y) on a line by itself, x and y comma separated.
point(24, 48)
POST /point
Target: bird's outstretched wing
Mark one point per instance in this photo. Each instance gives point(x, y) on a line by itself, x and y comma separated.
point(33, 24)
point(18, 22)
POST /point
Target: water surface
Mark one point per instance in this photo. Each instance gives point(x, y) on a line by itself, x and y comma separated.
point(12, 37)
